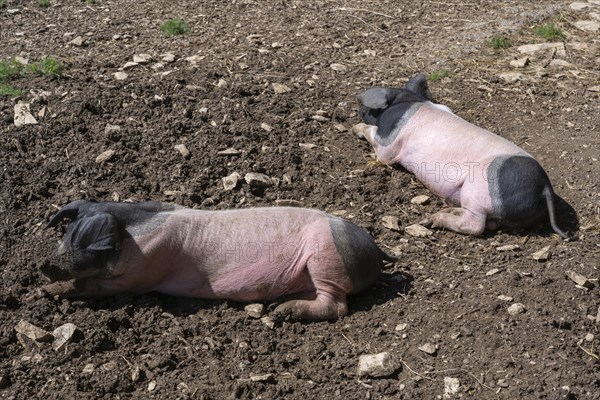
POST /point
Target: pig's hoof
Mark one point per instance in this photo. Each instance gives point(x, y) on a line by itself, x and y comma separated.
point(359, 130)
point(427, 222)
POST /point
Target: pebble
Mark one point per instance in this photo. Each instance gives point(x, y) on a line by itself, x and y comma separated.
point(111, 128)
point(23, 115)
point(339, 67)
point(340, 127)
point(257, 180)
point(33, 332)
point(493, 271)
point(579, 5)
point(511, 77)
point(142, 58)
point(320, 118)
point(78, 41)
point(129, 65)
point(589, 337)
point(229, 152)
point(266, 127)
point(516, 308)
point(579, 279)
point(255, 310)
point(168, 57)
point(105, 156)
point(417, 230)
point(420, 200)
point(542, 255)
point(261, 377)
point(183, 150)
point(230, 181)
point(505, 298)
point(428, 348)
point(120, 76)
point(520, 62)
point(451, 386)
point(268, 322)
point(534, 48)
point(62, 335)
point(377, 365)
point(400, 327)
point(88, 368)
point(280, 88)
point(391, 222)
point(509, 247)
point(590, 26)
point(307, 146)
point(151, 386)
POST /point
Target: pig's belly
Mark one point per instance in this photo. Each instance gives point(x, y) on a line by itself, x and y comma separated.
point(239, 282)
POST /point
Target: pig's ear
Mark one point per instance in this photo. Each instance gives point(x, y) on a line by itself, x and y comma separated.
point(377, 98)
point(418, 84)
point(69, 211)
point(96, 233)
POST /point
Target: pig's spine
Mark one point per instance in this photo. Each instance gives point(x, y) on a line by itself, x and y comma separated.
point(549, 195)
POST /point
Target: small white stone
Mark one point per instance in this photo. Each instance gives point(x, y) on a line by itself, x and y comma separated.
point(142, 58)
point(183, 150)
point(261, 377)
point(420, 200)
point(377, 365)
point(417, 230)
point(520, 63)
point(230, 181)
point(579, 5)
point(255, 310)
point(78, 41)
point(400, 327)
point(151, 386)
point(280, 88)
point(307, 146)
point(534, 48)
point(168, 57)
point(88, 368)
point(579, 279)
point(451, 386)
point(505, 298)
point(229, 152)
point(266, 127)
point(589, 337)
point(23, 115)
point(428, 348)
point(391, 222)
point(508, 247)
point(516, 308)
point(542, 255)
point(268, 322)
point(105, 156)
point(111, 128)
point(120, 76)
point(339, 67)
point(62, 335)
point(493, 271)
point(257, 180)
point(129, 65)
point(33, 332)
point(590, 26)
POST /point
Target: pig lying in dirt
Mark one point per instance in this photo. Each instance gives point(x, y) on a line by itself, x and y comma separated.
point(312, 258)
point(488, 181)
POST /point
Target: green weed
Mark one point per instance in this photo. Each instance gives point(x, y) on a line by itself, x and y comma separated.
point(2, 3)
point(499, 42)
point(46, 67)
point(175, 26)
point(44, 3)
point(439, 74)
point(549, 32)
point(7, 90)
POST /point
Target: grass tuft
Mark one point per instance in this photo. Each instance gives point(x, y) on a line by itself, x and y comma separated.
point(7, 90)
point(439, 74)
point(2, 3)
point(44, 3)
point(175, 26)
point(499, 42)
point(549, 32)
point(10, 69)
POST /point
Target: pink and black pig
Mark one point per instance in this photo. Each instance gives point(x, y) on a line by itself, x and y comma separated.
point(488, 181)
point(310, 258)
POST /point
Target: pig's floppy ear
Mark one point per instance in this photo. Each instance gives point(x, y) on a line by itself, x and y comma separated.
point(418, 84)
point(377, 98)
point(69, 211)
point(96, 233)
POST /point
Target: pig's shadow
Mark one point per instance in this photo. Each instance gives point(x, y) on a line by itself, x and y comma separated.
point(388, 287)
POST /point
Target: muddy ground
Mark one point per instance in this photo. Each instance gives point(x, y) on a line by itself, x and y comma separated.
point(156, 346)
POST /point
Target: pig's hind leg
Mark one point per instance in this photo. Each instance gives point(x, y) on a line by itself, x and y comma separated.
point(324, 306)
point(458, 220)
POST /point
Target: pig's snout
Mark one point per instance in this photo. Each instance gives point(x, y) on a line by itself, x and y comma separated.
point(55, 272)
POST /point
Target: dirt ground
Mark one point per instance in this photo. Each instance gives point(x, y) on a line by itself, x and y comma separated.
point(217, 93)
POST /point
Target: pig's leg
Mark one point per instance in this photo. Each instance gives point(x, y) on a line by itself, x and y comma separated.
point(324, 306)
point(368, 132)
point(458, 220)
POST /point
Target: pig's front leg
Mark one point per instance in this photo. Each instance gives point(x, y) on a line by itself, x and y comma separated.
point(90, 287)
point(367, 132)
point(324, 306)
point(458, 220)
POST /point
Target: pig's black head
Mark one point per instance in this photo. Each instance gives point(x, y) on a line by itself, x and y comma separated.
point(90, 247)
point(376, 101)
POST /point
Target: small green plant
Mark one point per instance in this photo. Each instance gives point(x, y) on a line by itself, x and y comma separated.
point(7, 90)
point(9, 69)
point(549, 32)
point(2, 3)
point(44, 3)
point(46, 67)
point(175, 26)
point(499, 42)
point(439, 74)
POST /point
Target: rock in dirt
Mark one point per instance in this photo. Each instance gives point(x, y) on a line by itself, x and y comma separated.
point(520, 63)
point(129, 65)
point(88, 368)
point(258, 180)
point(516, 308)
point(534, 48)
point(391, 222)
point(262, 377)
point(230, 181)
point(62, 335)
point(183, 150)
point(142, 58)
point(377, 365)
point(420, 200)
point(508, 247)
point(417, 230)
point(339, 67)
point(168, 57)
point(266, 127)
point(268, 322)
point(229, 152)
point(590, 26)
point(307, 146)
point(511, 77)
point(428, 348)
point(120, 76)
point(111, 128)
point(401, 326)
point(33, 332)
point(589, 337)
point(23, 115)
point(280, 88)
point(579, 5)
point(105, 156)
point(255, 310)
point(493, 271)
point(78, 41)
point(542, 255)
point(451, 387)
point(579, 279)
point(504, 298)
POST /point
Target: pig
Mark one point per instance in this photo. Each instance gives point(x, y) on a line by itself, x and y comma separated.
point(488, 181)
point(311, 259)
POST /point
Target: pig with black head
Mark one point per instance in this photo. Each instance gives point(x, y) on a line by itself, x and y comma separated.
point(310, 258)
point(488, 181)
